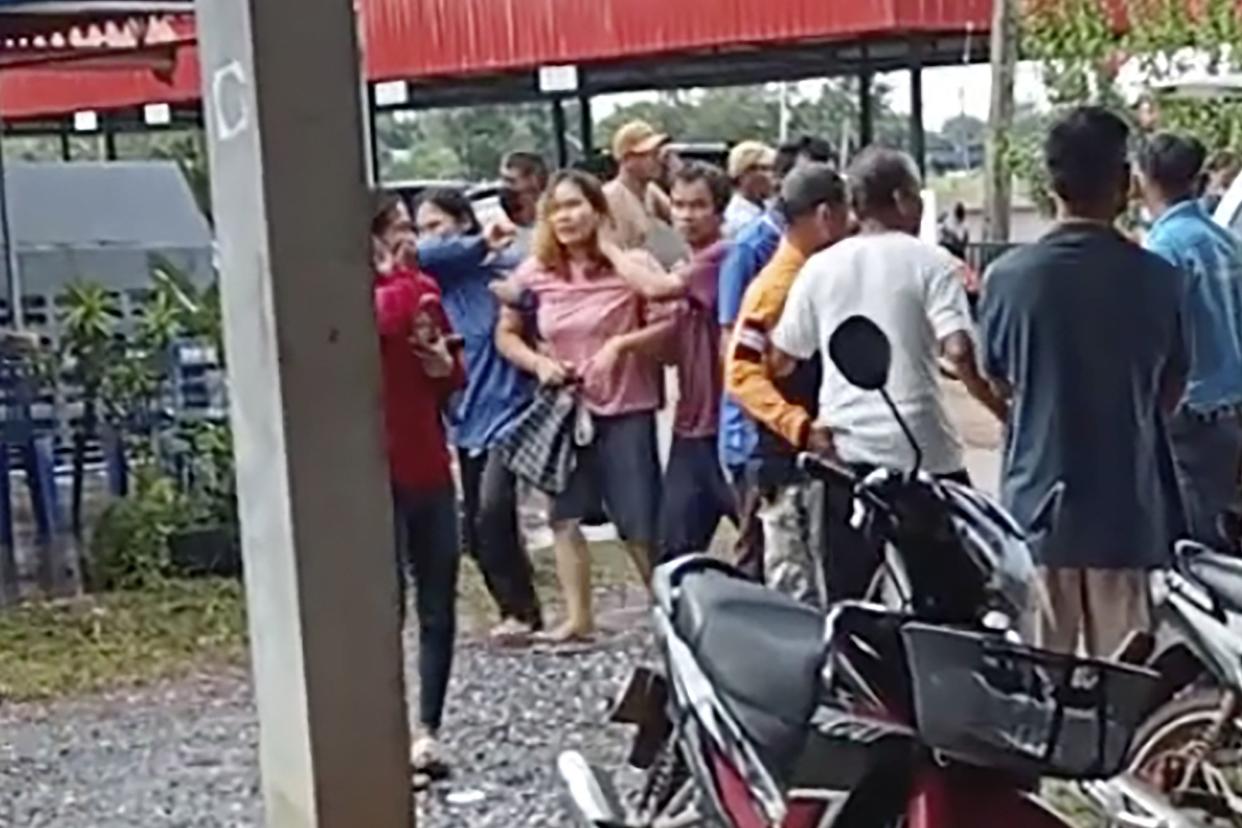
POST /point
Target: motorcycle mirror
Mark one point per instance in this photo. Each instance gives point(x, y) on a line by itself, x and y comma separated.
point(861, 352)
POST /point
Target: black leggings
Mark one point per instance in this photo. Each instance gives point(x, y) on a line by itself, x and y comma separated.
point(492, 536)
point(427, 554)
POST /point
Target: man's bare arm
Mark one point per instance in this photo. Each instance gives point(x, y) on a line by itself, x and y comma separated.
point(958, 349)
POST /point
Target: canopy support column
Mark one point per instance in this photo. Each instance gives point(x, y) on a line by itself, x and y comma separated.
point(291, 212)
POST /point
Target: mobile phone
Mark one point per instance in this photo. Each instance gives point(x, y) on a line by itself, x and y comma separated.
point(426, 329)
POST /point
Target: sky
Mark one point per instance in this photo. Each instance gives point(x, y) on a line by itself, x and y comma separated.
point(951, 90)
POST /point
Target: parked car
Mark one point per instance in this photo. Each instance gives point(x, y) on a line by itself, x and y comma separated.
point(485, 196)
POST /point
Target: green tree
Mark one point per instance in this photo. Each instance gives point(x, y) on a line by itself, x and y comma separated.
point(732, 114)
point(466, 143)
point(964, 130)
point(1080, 53)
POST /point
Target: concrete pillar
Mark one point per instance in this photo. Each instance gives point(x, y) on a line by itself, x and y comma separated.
point(586, 126)
point(918, 134)
point(109, 138)
point(291, 212)
point(560, 132)
point(866, 109)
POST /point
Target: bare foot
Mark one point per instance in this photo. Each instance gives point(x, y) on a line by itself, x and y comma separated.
point(568, 633)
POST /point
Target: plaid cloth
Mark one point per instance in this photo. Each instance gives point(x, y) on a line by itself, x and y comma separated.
point(538, 446)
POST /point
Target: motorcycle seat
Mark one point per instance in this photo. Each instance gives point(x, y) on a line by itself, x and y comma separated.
point(763, 653)
point(1222, 574)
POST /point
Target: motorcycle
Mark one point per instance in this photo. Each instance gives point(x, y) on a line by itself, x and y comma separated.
point(767, 713)
point(1188, 751)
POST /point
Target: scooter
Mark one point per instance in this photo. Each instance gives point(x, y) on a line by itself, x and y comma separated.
point(767, 713)
point(1187, 756)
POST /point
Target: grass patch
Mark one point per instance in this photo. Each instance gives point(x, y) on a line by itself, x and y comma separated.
point(110, 640)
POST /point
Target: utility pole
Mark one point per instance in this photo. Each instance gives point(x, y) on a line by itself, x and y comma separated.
point(998, 184)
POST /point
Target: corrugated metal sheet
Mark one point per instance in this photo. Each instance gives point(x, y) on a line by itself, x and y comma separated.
point(27, 93)
point(478, 36)
point(430, 38)
point(74, 205)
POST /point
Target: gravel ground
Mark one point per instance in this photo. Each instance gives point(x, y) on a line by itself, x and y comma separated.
point(184, 753)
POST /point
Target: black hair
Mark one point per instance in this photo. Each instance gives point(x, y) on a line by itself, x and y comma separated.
point(528, 164)
point(876, 176)
point(1086, 155)
point(1173, 163)
point(808, 148)
point(455, 204)
point(383, 205)
point(711, 175)
point(810, 186)
point(815, 149)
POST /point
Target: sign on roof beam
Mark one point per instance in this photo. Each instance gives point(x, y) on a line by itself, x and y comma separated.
point(157, 114)
point(392, 93)
point(554, 80)
point(86, 121)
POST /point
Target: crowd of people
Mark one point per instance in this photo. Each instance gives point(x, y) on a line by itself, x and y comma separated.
point(536, 348)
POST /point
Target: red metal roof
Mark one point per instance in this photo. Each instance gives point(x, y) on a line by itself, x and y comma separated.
point(472, 36)
point(434, 38)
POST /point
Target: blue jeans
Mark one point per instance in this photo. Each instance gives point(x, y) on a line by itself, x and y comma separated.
point(695, 497)
point(427, 554)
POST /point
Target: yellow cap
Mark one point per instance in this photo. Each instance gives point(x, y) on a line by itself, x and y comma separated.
point(748, 155)
point(636, 138)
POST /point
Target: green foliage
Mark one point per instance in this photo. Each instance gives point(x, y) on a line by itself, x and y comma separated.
point(1080, 52)
point(129, 548)
point(469, 143)
point(732, 114)
point(125, 378)
point(466, 143)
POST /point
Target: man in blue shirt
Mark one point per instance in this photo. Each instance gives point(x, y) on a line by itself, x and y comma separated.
point(1205, 432)
point(1082, 332)
point(752, 250)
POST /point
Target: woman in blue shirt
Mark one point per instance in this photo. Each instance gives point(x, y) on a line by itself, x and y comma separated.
point(454, 251)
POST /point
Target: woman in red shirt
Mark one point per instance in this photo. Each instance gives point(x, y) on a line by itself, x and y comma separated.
point(421, 370)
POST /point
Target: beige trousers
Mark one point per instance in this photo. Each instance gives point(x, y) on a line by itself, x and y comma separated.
point(1092, 611)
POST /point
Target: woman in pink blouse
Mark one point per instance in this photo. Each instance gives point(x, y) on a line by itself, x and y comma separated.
point(592, 322)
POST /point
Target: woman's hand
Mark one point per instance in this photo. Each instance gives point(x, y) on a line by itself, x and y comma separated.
point(553, 373)
point(499, 235)
point(607, 357)
point(435, 354)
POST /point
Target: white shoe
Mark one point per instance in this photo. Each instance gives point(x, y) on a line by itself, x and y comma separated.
point(427, 757)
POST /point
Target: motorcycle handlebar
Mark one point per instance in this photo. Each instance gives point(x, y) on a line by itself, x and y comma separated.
point(828, 471)
point(834, 473)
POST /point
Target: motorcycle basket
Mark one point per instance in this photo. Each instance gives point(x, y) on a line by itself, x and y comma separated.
point(987, 701)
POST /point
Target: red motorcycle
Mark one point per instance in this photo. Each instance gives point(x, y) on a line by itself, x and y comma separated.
point(927, 711)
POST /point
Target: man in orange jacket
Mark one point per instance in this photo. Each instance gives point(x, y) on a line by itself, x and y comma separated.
point(781, 395)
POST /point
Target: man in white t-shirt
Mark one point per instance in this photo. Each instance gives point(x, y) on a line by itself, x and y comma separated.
point(914, 292)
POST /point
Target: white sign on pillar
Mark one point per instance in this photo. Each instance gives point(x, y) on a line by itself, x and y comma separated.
point(291, 212)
